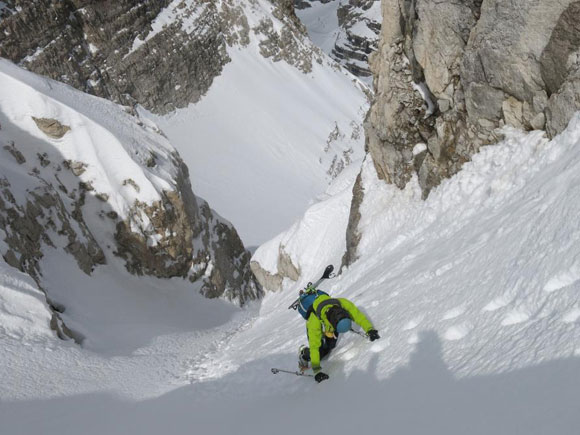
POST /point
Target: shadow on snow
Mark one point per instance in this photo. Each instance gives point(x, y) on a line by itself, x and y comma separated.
point(421, 398)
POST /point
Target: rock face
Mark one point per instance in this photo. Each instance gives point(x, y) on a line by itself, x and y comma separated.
point(356, 36)
point(161, 54)
point(51, 127)
point(186, 238)
point(352, 234)
point(448, 74)
point(360, 24)
point(99, 47)
point(27, 226)
point(285, 269)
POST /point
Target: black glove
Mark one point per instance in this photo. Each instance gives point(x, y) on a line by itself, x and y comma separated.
point(373, 335)
point(320, 376)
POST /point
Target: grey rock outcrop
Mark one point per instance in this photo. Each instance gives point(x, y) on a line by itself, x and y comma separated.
point(352, 234)
point(51, 127)
point(32, 225)
point(360, 28)
point(285, 269)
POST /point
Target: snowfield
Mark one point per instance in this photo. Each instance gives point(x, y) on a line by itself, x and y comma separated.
point(475, 292)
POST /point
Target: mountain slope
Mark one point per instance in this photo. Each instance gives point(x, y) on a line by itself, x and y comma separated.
point(263, 118)
point(474, 292)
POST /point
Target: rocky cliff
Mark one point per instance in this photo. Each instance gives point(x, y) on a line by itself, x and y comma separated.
point(160, 54)
point(448, 74)
point(82, 176)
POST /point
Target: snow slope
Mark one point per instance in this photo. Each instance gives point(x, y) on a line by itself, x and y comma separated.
point(267, 138)
point(321, 20)
point(475, 291)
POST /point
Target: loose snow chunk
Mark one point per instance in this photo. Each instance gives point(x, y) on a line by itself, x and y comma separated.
point(515, 316)
point(572, 316)
point(497, 303)
point(457, 332)
point(563, 279)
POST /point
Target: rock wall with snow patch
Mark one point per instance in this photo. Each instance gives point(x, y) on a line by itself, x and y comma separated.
point(81, 175)
point(448, 74)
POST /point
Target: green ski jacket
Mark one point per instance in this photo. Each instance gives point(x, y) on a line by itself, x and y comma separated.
point(316, 327)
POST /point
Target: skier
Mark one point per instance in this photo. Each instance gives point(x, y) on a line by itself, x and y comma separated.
point(326, 318)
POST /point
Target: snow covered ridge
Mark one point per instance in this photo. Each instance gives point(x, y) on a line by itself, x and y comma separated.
point(317, 238)
point(83, 176)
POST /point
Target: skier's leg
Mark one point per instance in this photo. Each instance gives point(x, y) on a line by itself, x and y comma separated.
point(303, 357)
point(327, 345)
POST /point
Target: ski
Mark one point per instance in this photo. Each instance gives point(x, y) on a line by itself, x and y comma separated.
point(297, 373)
point(326, 275)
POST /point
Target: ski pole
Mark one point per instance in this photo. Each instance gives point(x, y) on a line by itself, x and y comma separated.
point(360, 333)
point(276, 371)
point(326, 275)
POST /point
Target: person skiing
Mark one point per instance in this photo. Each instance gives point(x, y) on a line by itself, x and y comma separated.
point(326, 318)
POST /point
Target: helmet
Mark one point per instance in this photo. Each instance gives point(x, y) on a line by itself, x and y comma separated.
point(343, 325)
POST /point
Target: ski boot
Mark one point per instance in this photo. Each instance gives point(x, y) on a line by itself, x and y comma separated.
point(303, 358)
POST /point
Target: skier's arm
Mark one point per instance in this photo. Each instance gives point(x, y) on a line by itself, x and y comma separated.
point(314, 329)
point(356, 315)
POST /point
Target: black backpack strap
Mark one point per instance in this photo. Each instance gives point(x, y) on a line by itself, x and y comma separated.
point(323, 304)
